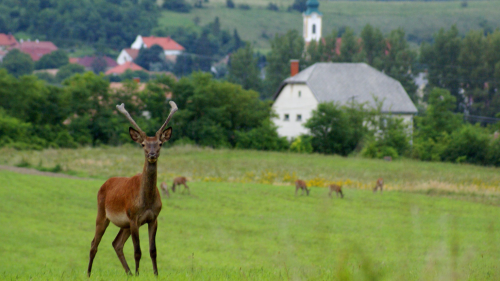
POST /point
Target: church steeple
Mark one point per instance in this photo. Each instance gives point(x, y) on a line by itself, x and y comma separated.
point(312, 21)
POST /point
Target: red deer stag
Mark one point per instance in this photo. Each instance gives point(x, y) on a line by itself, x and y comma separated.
point(300, 184)
point(380, 184)
point(178, 181)
point(164, 188)
point(335, 188)
point(131, 202)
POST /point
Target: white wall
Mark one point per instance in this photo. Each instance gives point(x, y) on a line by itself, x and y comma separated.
point(309, 21)
point(172, 52)
point(289, 102)
point(137, 43)
point(123, 57)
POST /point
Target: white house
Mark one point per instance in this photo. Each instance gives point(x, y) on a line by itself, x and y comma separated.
point(341, 83)
point(171, 48)
point(312, 22)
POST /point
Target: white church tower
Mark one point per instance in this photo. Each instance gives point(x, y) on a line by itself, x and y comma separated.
point(312, 22)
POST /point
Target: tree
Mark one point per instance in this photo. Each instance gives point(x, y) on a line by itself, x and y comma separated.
point(349, 48)
point(373, 45)
point(18, 63)
point(243, 69)
point(399, 61)
point(336, 129)
point(99, 65)
point(180, 6)
point(68, 71)
point(153, 56)
point(299, 5)
point(283, 49)
point(323, 51)
point(54, 59)
point(441, 59)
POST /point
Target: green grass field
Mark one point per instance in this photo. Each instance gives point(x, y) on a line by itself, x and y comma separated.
point(246, 231)
point(419, 19)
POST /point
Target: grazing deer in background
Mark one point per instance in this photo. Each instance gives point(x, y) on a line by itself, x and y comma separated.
point(164, 188)
point(337, 188)
point(178, 181)
point(131, 202)
point(380, 184)
point(300, 184)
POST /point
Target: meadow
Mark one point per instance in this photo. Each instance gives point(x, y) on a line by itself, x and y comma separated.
point(420, 19)
point(250, 231)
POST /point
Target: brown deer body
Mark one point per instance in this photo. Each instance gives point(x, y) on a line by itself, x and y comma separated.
point(335, 188)
point(178, 181)
point(131, 202)
point(164, 188)
point(300, 184)
point(379, 185)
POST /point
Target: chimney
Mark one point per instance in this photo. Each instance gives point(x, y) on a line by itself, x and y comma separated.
point(294, 67)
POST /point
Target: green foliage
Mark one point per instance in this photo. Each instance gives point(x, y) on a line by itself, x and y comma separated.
point(152, 59)
point(243, 69)
point(283, 49)
point(264, 137)
point(302, 144)
point(336, 129)
point(391, 138)
point(69, 70)
point(180, 6)
point(18, 63)
point(470, 144)
point(439, 117)
point(114, 23)
point(298, 5)
point(55, 59)
point(349, 49)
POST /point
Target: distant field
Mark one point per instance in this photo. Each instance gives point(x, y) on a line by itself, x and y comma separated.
point(244, 231)
point(419, 19)
point(244, 166)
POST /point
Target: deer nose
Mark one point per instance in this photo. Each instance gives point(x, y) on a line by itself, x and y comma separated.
point(152, 155)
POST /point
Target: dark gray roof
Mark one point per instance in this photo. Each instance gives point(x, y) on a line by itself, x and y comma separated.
point(340, 82)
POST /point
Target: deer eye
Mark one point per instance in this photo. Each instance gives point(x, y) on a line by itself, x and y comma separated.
point(161, 143)
point(143, 145)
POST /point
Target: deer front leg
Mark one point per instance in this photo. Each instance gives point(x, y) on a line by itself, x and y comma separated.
point(118, 243)
point(152, 227)
point(187, 188)
point(134, 231)
point(100, 227)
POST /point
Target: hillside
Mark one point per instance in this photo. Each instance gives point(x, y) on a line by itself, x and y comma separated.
point(419, 19)
point(241, 231)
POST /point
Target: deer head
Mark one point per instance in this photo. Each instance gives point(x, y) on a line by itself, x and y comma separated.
point(150, 145)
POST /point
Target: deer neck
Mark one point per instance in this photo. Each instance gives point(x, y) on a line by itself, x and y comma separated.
point(148, 183)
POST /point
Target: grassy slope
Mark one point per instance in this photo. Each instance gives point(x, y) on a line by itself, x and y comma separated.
point(254, 166)
point(239, 231)
point(421, 19)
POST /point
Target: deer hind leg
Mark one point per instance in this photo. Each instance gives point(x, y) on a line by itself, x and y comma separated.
point(100, 227)
point(296, 189)
point(152, 227)
point(118, 243)
point(187, 188)
point(134, 231)
point(173, 187)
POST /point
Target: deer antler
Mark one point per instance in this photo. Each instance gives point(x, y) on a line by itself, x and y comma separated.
point(122, 109)
point(172, 111)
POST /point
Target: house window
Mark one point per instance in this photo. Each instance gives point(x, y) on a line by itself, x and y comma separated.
point(314, 29)
point(300, 94)
point(299, 117)
point(287, 117)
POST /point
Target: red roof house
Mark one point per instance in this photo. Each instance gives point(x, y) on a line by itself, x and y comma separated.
point(7, 41)
point(36, 49)
point(124, 67)
point(87, 62)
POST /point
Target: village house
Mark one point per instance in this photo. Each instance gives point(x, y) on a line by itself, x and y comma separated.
point(88, 62)
point(340, 83)
point(120, 69)
point(36, 49)
point(171, 48)
point(7, 41)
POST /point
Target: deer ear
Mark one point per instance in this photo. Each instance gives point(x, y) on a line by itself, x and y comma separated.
point(165, 135)
point(135, 135)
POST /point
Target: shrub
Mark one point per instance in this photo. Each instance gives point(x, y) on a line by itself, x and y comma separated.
point(471, 142)
point(272, 7)
point(378, 150)
point(264, 137)
point(244, 6)
point(180, 6)
point(230, 4)
point(302, 144)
